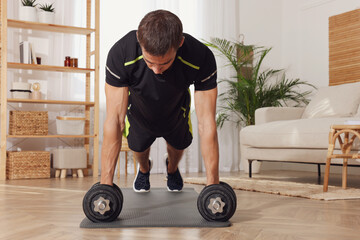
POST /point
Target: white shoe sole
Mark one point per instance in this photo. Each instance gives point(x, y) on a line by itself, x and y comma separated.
point(137, 171)
point(173, 190)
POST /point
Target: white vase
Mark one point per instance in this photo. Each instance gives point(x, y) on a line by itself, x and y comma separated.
point(46, 17)
point(27, 13)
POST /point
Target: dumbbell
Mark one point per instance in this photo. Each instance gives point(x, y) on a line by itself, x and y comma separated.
point(103, 203)
point(217, 202)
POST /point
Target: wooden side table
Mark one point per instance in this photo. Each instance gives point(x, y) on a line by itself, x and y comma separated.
point(342, 134)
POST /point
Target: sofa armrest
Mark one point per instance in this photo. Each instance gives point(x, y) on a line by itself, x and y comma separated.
point(270, 114)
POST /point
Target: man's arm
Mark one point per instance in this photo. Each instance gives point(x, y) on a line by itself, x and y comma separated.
point(205, 105)
point(116, 106)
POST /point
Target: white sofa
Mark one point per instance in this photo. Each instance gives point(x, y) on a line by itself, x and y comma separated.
point(301, 135)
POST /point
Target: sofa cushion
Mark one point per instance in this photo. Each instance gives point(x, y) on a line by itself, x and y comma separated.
point(300, 133)
point(335, 101)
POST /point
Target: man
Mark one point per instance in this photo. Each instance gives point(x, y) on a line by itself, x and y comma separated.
point(148, 74)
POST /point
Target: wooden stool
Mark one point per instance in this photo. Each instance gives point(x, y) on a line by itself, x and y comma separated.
point(125, 148)
point(61, 173)
point(335, 133)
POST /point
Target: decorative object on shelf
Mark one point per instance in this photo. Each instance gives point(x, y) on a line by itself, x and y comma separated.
point(70, 125)
point(27, 164)
point(20, 94)
point(28, 11)
point(20, 90)
point(46, 13)
point(70, 62)
point(67, 61)
point(36, 94)
point(28, 123)
point(38, 60)
point(73, 62)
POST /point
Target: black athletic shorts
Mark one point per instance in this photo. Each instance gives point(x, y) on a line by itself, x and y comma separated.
point(140, 139)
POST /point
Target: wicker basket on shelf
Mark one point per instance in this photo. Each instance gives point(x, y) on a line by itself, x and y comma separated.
point(28, 123)
point(27, 164)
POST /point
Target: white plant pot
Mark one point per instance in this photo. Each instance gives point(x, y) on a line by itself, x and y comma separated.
point(27, 14)
point(46, 17)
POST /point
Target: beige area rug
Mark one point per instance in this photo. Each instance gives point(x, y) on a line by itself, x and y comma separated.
point(293, 189)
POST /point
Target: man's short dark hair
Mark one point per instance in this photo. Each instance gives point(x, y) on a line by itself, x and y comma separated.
point(159, 31)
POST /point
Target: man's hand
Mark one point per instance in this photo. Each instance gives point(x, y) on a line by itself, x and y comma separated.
point(205, 105)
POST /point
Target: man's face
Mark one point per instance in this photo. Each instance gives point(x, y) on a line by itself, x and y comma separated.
point(159, 64)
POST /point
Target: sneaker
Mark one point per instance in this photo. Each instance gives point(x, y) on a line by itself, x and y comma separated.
point(141, 182)
point(174, 180)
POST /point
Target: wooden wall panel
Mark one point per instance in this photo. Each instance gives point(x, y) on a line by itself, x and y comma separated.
point(344, 48)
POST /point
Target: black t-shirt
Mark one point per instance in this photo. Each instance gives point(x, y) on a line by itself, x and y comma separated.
point(159, 102)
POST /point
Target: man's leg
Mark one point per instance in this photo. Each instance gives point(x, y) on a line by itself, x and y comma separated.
point(174, 157)
point(140, 141)
point(143, 159)
point(174, 180)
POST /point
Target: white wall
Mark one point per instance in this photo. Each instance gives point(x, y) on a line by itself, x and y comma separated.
point(261, 24)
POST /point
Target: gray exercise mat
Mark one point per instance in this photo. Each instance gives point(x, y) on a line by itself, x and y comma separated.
point(158, 208)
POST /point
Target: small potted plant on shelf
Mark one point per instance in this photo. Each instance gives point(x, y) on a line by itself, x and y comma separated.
point(28, 11)
point(46, 13)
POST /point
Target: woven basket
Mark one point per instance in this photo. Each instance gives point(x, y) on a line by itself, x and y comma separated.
point(27, 164)
point(28, 123)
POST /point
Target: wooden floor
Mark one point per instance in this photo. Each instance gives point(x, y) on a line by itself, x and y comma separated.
point(51, 209)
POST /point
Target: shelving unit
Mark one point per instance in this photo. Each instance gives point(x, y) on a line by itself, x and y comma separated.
point(4, 66)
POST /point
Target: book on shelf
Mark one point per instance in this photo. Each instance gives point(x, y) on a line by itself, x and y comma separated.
point(33, 56)
point(27, 53)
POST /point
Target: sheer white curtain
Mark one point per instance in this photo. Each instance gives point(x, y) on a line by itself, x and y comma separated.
point(202, 19)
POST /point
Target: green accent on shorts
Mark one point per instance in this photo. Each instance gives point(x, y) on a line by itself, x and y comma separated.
point(127, 127)
point(189, 115)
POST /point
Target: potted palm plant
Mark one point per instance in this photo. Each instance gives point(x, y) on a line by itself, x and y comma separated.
point(27, 10)
point(46, 13)
point(253, 87)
